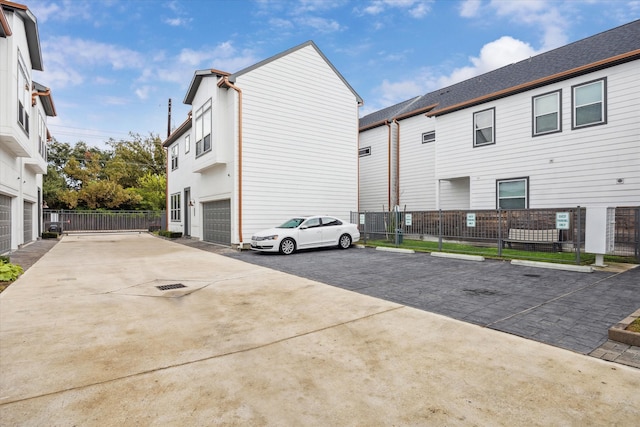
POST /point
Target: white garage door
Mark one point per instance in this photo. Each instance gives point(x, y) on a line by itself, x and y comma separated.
point(5, 223)
point(216, 217)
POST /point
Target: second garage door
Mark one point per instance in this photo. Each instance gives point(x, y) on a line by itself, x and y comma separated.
point(216, 217)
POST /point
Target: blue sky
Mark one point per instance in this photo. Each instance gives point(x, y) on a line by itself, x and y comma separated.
point(112, 65)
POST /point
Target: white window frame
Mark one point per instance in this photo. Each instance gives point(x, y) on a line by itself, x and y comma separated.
point(429, 137)
point(557, 112)
point(23, 95)
point(602, 101)
point(525, 196)
point(187, 143)
point(175, 149)
point(364, 151)
point(42, 137)
point(203, 129)
point(175, 207)
point(476, 129)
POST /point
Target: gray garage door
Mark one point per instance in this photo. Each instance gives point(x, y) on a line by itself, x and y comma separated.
point(28, 222)
point(217, 222)
point(5, 223)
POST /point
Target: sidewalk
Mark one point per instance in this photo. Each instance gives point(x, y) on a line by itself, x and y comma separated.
point(87, 338)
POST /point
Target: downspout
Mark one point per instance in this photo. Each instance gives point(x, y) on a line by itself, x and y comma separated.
point(388, 124)
point(166, 190)
point(225, 82)
point(397, 177)
point(34, 95)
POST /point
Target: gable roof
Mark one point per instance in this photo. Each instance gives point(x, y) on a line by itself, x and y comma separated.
point(603, 50)
point(232, 77)
point(31, 29)
point(185, 126)
point(45, 98)
point(199, 75)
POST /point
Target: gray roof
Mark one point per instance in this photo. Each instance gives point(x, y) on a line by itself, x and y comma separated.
point(45, 98)
point(609, 48)
point(31, 29)
point(197, 78)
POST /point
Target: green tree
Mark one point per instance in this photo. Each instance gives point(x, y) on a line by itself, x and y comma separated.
point(152, 188)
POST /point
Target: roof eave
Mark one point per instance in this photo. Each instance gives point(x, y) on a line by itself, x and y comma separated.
point(185, 126)
point(574, 72)
point(197, 79)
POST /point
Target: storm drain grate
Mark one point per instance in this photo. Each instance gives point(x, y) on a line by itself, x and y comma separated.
point(531, 275)
point(480, 291)
point(172, 286)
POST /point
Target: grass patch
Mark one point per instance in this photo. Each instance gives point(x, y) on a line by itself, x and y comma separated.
point(492, 252)
point(634, 326)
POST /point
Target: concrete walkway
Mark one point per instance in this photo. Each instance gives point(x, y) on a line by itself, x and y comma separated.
point(87, 338)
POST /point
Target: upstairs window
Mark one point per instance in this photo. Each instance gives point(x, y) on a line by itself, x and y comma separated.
point(483, 127)
point(589, 104)
point(187, 144)
point(24, 95)
point(546, 113)
point(513, 193)
point(42, 137)
point(428, 137)
point(364, 151)
point(203, 129)
point(174, 157)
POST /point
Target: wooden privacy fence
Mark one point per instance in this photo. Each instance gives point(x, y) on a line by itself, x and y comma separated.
point(542, 230)
point(63, 221)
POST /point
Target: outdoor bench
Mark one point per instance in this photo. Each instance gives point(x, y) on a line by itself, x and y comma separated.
point(532, 237)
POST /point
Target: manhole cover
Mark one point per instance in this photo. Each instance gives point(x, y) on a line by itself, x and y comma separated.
point(172, 286)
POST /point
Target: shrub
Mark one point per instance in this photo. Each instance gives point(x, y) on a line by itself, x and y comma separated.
point(170, 234)
point(9, 272)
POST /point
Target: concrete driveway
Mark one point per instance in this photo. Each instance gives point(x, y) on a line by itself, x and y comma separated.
point(87, 338)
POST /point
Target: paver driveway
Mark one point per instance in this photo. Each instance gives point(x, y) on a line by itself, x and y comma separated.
point(566, 309)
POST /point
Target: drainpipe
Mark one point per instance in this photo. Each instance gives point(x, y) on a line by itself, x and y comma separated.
point(397, 176)
point(34, 95)
point(388, 124)
point(225, 82)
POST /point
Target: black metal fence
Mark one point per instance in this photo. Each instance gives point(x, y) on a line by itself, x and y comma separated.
point(534, 230)
point(65, 221)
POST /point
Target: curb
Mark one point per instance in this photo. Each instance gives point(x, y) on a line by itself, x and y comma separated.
point(458, 256)
point(552, 266)
point(398, 250)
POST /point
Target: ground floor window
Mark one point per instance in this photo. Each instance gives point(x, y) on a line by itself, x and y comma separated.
point(512, 193)
point(175, 207)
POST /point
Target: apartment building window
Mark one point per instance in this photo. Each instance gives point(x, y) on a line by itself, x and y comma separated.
point(547, 113)
point(512, 193)
point(364, 151)
point(428, 137)
point(187, 144)
point(174, 156)
point(203, 129)
point(24, 95)
point(589, 103)
point(484, 127)
point(42, 137)
point(175, 207)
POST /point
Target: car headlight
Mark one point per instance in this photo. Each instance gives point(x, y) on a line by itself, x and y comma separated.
point(260, 238)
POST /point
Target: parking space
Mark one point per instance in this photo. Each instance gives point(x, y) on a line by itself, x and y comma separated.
point(566, 309)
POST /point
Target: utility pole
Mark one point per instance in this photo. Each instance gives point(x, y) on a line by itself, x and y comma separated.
point(169, 120)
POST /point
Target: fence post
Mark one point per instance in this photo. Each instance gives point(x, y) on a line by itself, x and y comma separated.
point(499, 232)
point(579, 234)
point(440, 230)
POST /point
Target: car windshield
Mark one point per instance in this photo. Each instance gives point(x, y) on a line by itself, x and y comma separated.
point(292, 223)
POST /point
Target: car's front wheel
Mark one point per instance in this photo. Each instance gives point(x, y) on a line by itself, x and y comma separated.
point(287, 246)
point(344, 242)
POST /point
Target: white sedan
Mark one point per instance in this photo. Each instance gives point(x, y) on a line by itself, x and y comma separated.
point(306, 232)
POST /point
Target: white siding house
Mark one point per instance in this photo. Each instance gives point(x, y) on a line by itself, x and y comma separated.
point(277, 139)
point(560, 129)
point(24, 108)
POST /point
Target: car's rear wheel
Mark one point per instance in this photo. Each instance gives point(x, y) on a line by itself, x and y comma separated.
point(287, 246)
point(344, 242)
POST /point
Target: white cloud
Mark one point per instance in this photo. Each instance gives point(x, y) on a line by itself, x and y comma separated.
point(415, 8)
point(177, 21)
point(320, 24)
point(469, 8)
point(506, 50)
point(142, 92)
